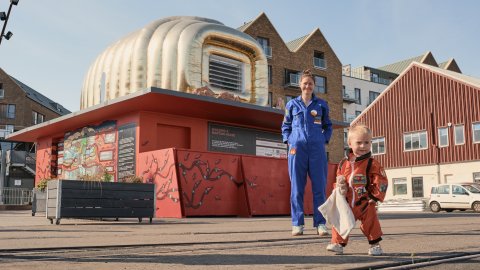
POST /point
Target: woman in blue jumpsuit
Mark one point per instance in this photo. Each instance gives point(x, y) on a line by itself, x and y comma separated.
point(307, 128)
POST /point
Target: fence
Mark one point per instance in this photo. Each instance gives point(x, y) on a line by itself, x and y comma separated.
point(15, 196)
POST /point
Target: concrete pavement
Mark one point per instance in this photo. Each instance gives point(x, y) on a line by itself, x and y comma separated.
point(28, 242)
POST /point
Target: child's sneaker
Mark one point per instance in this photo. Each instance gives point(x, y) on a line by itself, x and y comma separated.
point(322, 230)
point(337, 248)
point(297, 230)
point(375, 250)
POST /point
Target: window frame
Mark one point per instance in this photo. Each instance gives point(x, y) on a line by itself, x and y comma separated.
point(358, 100)
point(411, 134)
point(440, 137)
point(455, 134)
point(370, 100)
point(317, 86)
point(377, 141)
point(402, 182)
point(473, 132)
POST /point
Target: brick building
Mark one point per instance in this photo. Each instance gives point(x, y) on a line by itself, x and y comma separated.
point(286, 60)
point(21, 107)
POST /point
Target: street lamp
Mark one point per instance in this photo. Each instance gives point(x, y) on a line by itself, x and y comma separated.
point(4, 18)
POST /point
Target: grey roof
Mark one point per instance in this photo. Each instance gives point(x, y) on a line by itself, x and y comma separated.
point(296, 43)
point(443, 64)
point(41, 99)
point(458, 76)
point(400, 66)
point(244, 26)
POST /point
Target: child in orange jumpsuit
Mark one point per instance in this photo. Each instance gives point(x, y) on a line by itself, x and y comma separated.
point(363, 182)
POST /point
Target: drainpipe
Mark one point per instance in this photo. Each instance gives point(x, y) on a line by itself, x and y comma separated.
point(437, 148)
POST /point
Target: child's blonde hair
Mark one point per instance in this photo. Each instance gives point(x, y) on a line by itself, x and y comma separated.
point(359, 129)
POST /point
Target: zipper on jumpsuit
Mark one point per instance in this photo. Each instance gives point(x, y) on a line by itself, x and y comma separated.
point(350, 180)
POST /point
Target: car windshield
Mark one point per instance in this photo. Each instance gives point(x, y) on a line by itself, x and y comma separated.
point(472, 188)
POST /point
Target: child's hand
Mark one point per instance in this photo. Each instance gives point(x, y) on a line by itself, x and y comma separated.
point(342, 184)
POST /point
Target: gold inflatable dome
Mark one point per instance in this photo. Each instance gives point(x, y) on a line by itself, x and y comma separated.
point(188, 54)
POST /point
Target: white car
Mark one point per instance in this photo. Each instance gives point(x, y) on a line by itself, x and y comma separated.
point(459, 196)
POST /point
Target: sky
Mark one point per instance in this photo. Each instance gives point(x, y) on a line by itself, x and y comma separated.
point(54, 42)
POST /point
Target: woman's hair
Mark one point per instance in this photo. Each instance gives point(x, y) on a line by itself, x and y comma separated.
point(307, 74)
point(359, 129)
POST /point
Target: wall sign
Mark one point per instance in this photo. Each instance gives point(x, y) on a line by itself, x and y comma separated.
point(126, 151)
point(230, 139)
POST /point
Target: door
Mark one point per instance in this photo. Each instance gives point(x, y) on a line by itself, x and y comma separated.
point(460, 197)
point(442, 195)
point(417, 187)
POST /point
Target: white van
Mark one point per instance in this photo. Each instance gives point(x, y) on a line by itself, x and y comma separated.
point(450, 197)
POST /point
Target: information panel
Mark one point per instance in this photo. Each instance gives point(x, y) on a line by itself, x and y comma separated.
point(126, 151)
point(230, 139)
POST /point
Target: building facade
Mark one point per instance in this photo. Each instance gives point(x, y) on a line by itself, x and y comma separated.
point(286, 61)
point(21, 107)
point(426, 130)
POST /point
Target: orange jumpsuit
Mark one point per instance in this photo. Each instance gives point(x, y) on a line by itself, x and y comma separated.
point(361, 189)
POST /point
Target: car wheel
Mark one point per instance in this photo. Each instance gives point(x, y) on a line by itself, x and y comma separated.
point(435, 207)
point(476, 206)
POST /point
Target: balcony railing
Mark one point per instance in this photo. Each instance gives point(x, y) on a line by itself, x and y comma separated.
point(294, 80)
point(349, 96)
point(349, 118)
point(380, 80)
point(319, 63)
point(268, 51)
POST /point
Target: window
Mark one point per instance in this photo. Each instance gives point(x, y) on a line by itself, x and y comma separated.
point(443, 137)
point(265, 44)
point(344, 115)
point(358, 96)
point(8, 129)
point(288, 98)
point(345, 138)
point(8, 110)
point(476, 132)
point(459, 134)
point(372, 96)
point(319, 60)
point(320, 85)
point(378, 145)
point(2, 91)
point(374, 77)
point(270, 99)
point(292, 78)
point(458, 190)
point(37, 118)
point(444, 189)
point(225, 73)
point(417, 187)
point(476, 177)
point(270, 75)
point(415, 141)
point(399, 186)
point(357, 113)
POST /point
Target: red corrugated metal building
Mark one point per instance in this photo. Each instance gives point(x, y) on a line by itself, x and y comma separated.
point(426, 130)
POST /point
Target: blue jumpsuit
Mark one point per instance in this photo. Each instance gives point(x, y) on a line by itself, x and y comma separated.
point(307, 129)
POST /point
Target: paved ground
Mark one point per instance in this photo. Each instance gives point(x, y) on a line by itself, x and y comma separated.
point(28, 242)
